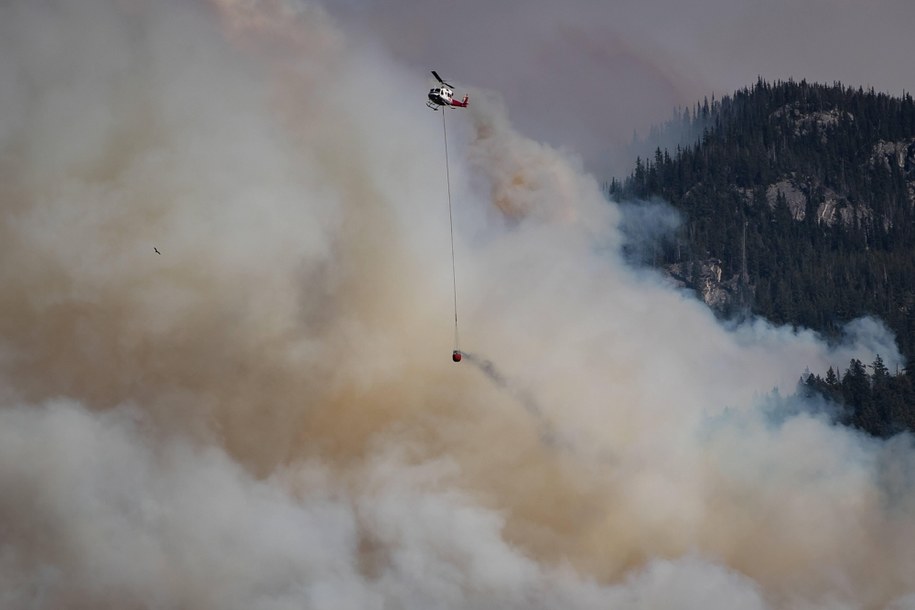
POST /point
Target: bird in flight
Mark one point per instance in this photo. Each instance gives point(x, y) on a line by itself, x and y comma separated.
point(157, 250)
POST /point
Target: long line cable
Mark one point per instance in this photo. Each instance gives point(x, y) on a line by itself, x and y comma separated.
point(451, 226)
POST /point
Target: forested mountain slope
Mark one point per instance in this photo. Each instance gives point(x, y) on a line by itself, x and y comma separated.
point(798, 204)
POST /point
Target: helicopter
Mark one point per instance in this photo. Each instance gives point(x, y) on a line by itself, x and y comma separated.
point(443, 95)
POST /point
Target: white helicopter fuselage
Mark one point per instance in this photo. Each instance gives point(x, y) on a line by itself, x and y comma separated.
point(443, 96)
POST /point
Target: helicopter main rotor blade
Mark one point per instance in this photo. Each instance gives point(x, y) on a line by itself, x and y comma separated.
point(439, 78)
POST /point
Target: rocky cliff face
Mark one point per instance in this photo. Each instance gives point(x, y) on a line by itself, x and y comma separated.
point(804, 123)
point(897, 156)
point(832, 206)
point(706, 278)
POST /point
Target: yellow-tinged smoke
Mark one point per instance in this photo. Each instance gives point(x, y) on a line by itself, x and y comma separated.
point(266, 415)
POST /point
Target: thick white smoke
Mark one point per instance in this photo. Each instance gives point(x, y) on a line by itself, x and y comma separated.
point(265, 415)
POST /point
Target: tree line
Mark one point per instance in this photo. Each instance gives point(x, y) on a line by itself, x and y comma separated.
point(878, 401)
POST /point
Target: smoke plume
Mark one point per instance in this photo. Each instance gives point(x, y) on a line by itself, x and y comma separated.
point(589, 75)
point(266, 415)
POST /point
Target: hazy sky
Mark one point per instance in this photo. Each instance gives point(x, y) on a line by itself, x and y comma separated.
point(586, 73)
point(265, 414)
